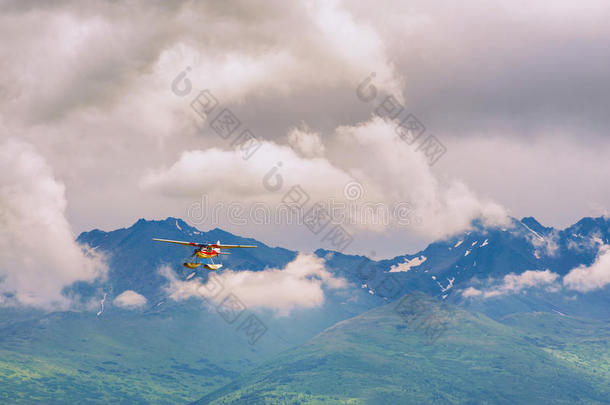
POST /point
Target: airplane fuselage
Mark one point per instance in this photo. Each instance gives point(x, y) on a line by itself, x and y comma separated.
point(207, 253)
point(204, 251)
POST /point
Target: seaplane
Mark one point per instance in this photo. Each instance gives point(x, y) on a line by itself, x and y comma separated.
point(206, 251)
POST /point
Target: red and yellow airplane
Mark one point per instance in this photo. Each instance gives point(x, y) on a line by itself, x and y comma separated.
point(205, 251)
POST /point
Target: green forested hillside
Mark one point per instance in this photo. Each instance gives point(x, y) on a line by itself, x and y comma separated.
point(379, 358)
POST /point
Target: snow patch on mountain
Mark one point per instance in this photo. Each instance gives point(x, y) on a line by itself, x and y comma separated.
point(449, 285)
point(101, 311)
point(408, 264)
point(536, 234)
point(580, 242)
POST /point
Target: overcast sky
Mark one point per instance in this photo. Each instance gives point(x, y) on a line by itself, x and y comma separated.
point(97, 128)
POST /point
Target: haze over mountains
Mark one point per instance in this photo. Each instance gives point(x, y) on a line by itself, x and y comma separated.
point(415, 141)
point(521, 302)
point(375, 358)
point(467, 268)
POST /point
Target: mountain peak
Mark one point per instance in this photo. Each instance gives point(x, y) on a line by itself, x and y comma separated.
point(587, 224)
point(169, 221)
point(535, 226)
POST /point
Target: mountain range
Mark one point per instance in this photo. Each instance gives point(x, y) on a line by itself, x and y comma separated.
point(472, 318)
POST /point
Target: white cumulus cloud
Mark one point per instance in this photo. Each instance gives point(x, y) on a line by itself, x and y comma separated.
point(588, 278)
point(471, 292)
point(307, 143)
point(130, 299)
point(515, 283)
point(298, 285)
point(38, 254)
point(394, 179)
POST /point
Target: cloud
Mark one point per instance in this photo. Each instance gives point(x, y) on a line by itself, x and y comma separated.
point(394, 172)
point(400, 178)
point(245, 49)
point(547, 245)
point(471, 292)
point(589, 242)
point(38, 254)
point(305, 142)
point(246, 180)
point(109, 113)
point(435, 42)
point(113, 70)
point(582, 278)
point(298, 285)
point(589, 278)
point(129, 299)
point(516, 283)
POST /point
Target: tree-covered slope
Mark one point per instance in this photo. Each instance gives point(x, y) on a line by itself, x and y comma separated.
point(381, 357)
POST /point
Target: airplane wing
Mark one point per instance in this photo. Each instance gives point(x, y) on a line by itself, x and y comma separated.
point(178, 242)
point(215, 245)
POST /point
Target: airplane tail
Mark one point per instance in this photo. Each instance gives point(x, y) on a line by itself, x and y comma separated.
point(221, 252)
